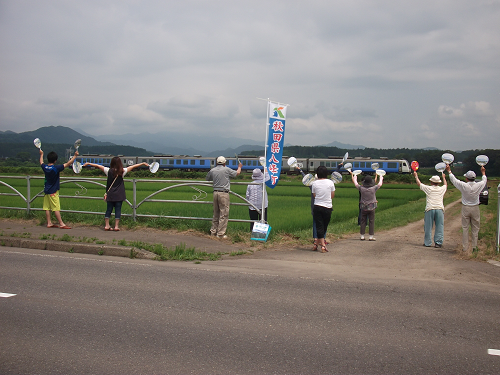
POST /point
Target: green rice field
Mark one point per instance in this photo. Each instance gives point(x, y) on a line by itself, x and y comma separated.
point(289, 211)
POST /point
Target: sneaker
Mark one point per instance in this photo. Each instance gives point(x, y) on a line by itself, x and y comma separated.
point(223, 236)
point(371, 238)
point(362, 238)
point(438, 245)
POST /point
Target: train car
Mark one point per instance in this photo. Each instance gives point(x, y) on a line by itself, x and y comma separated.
point(249, 163)
point(195, 163)
point(198, 163)
point(361, 163)
point(301, 163)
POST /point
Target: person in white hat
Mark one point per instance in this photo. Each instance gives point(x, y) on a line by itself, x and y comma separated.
point(471, 216)
point(221, 175)
point(434, 209)
point(254, 196)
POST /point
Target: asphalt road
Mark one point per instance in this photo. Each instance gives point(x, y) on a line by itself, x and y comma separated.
point(85, 314)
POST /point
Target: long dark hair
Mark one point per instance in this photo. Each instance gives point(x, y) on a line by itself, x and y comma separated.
point(117, 166)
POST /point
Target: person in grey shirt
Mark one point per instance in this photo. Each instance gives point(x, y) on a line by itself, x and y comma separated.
point(220, 175)
point(470, 204)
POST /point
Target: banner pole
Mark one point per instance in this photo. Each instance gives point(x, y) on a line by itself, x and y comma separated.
point(265, 165)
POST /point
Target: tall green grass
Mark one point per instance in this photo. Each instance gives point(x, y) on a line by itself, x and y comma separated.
point(289, 209)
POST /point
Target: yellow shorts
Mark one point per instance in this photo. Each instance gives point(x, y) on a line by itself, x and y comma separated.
point(51, 202)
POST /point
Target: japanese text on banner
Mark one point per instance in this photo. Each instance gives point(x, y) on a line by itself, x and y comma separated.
point(275, 141)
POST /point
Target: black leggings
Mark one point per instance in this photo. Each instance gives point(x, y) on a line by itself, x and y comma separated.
point(322, 216)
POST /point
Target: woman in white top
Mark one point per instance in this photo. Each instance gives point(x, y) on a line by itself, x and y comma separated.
point(323, 191)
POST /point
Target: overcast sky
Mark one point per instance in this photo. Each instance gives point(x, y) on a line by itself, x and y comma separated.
point(381, 73)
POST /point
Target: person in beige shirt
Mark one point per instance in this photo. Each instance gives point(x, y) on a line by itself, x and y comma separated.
point(471, 217)
point(434, 209)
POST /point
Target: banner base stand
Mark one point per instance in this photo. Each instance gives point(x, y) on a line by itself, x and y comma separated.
point(260, 232)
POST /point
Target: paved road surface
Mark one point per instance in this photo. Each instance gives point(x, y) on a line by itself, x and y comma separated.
point(85, 314)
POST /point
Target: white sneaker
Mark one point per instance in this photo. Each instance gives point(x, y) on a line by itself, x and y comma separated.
point(371, 238)
point(223, 236)
point(362, 238)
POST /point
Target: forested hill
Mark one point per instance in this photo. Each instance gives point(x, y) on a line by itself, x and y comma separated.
point(52, 135)
point(59, 139)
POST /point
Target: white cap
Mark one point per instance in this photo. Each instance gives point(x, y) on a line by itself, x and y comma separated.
point(221, 160)
point(470, 175)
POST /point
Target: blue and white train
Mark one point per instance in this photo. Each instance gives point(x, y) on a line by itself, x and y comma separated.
point(200, 164)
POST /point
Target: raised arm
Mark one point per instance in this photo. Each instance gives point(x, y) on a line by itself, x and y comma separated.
point(445, 183)
point(238, 171)
point(101, 167)
point(381, 181)
point(70, 161)
point(132, 167)
point(41, 157)
point(354, 179)
point(417, 179)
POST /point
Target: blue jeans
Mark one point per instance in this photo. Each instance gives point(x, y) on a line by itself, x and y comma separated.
point(118, 209)
point(434, 217)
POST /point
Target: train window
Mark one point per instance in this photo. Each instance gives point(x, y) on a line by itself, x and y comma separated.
point(312, 164)
point(151, 161)
point(177, 161)
point(322, 163)
point(192, 162)
point(392, 165)
point(185, 161)
point(170, 161)
point(355, 164)
point(202, 162)
point(334, 164)
point(328, 164)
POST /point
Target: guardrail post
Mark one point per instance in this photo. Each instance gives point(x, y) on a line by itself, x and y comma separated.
point(134, 199)
point(498, 219)
point(28, 196)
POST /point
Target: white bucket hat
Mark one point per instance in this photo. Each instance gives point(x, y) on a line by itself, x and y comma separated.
point(435, 179)
point(221, 160)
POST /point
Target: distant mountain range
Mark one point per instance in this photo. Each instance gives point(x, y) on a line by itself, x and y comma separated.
point(157, 143)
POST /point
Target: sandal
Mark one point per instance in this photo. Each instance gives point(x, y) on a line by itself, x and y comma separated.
point(324, 249)
point(315, 247)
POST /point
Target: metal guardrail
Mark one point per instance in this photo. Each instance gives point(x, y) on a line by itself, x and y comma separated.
point(197, 198)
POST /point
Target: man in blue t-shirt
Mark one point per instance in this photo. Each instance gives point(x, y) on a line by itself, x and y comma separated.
point(51, 187)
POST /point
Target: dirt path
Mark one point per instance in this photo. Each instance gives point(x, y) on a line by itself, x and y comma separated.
point(398, 253)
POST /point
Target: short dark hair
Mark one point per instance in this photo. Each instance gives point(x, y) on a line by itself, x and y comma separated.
point(322, 172)
point(52, 157)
